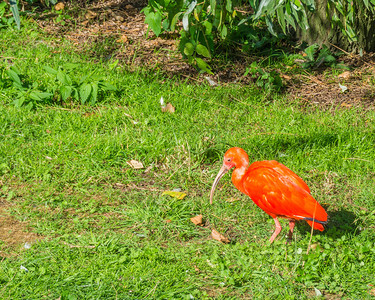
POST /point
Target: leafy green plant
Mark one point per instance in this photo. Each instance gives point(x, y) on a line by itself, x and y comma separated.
point(202, 24)
point(268, 80)
point(86, 89)
point(316, 56)
point(211, 23)
point(62, 17)
point(28, 94)
point(5, 22)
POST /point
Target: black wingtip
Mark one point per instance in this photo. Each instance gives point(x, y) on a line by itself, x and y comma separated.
point(316, 221)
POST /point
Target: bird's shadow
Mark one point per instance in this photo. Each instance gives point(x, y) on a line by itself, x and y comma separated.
point(340, 222)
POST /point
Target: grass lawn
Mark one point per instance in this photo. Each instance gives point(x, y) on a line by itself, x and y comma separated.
point(103, 230)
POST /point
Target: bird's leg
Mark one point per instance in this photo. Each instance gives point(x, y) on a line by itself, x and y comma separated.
point(277, 230)
point(291, 227)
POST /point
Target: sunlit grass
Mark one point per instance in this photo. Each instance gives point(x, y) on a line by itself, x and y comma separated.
point(108, 232)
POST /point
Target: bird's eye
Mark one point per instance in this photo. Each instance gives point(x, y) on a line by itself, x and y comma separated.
point(228, 159)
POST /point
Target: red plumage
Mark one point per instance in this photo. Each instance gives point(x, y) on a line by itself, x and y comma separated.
point(275, 189)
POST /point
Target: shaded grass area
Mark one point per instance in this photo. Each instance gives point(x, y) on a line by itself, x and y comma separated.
point(108, 232)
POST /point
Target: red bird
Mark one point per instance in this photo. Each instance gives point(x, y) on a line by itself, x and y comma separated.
point(274, 188)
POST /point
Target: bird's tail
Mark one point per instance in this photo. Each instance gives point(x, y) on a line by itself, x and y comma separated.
point(316, 223)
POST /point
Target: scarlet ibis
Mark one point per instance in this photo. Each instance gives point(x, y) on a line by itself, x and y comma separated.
point(274, 188)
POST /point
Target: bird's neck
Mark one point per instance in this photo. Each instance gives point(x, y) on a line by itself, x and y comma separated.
point(237, 177)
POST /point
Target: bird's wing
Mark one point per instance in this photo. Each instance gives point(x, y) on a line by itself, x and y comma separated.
point(280, 192)
point(282, 170)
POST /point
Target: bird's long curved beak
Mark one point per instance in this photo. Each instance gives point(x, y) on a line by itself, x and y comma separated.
point(221, 173)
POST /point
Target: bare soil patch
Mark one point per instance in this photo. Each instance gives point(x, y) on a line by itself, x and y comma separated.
point(13, 233)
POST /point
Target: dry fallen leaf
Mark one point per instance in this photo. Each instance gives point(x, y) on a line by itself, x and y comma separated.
point(168, 108)
point(219, 237)
point(210, 81)
point(231, 199)
point(135, 164)
point(59, 6)
point(344, 75)
point(119, 18)
point(286, 77)
point(90, 15)
point(197, 220)
point(123, 39)
point(346, 104)
point(178, 195)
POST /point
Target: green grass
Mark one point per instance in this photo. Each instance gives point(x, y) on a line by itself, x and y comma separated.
point(109, 233)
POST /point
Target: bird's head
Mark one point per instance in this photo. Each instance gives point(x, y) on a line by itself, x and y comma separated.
point(233, 158)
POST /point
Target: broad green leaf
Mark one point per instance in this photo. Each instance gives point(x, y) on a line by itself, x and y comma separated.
point(33, 95)
point(208, 26)
point(174, 20)
point(185, 18)
point(60, 75)
point(94, 93)
point(224, 32)
point(185, 22)
point(19, 101)
point(189, 49)
point(153, 19)
point(70, 66)
point(84, 92)
point(105, 86)
point(229, 5)
point(50, 70)
point(43, 95)
point(262, 7)
point(281, 18)
point(202, 50)
point(270, 26)
point(14, 77)
point(68, 79)
point(310, 51)
point(66, 92)
point(203, 65)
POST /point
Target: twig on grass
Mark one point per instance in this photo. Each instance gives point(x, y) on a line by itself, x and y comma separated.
point(356, 158)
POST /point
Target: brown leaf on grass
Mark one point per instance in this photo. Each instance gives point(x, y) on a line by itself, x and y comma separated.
point(197, 220)
point(59, 6)
point(313, 246)
point(286, 77)
point(135, 164)
point(168, 108)
point(90, 15)
point(123, 39)
point(231, 199)
point(219, 237)
point(344, 75)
